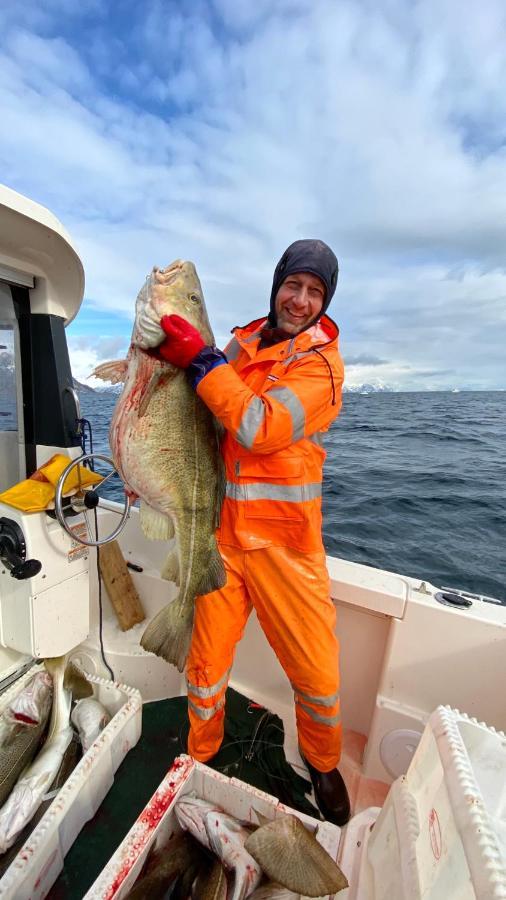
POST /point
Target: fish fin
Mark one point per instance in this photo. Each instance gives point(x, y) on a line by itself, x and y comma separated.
point(262, 820)
point(13, 733)
point(215, 576)
point(156, 525)
point(111, 371)
point(160, 374)
point(169, 634)
point(170, 571)
point(290, 855)
point(75, 682)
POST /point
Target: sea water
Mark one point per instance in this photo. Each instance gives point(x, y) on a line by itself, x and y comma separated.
point(414, 483)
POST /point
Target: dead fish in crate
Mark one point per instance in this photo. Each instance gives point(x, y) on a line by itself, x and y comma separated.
point(165, 445)
point(211, 883)
point(29, 790)
point(291, 856)
point(71, 757)
point(181, 859)
point(225, 836)
point(22, 724)
point(190, 813)
point(90, 719)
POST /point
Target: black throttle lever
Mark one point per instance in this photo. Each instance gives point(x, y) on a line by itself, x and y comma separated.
point(13, 551)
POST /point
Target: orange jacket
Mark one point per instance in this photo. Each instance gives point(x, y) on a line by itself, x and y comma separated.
point(275, 403)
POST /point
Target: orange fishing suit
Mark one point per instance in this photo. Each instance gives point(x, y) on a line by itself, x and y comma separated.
point(275, 404)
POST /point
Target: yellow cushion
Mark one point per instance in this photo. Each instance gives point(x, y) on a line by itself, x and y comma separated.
point(79, 477)
point(37, 492)
point(29, 495)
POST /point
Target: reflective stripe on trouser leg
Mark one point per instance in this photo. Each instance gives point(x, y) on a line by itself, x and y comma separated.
point(219, 623)
point(291, 594)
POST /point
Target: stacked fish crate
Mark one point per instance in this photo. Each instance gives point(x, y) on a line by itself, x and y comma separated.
point(40, 860)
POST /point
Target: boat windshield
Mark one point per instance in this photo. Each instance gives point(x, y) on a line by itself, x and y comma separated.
point(9, 448)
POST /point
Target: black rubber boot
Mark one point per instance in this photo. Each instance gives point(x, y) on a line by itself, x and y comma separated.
point(331, 794)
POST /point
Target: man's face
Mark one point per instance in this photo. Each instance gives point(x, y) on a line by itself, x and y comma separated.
point(299, 301)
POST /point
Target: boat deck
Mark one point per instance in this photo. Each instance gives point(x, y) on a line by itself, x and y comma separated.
point(164, 731)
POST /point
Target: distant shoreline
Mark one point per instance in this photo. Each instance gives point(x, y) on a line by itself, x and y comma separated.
point(356, 391)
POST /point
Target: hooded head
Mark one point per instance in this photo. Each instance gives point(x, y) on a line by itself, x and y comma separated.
point(311, 256)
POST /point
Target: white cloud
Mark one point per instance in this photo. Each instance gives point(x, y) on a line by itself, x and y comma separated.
point(88, 352)
point(223, 133)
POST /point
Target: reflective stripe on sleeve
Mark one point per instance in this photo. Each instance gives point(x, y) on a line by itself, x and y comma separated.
point(291, 402)
point(317, 438)
point(208, 690)
point(232, 350)
point(331, 721)
point(291, 493)
point(206, 712)
point(251, 422)
point(252, 337)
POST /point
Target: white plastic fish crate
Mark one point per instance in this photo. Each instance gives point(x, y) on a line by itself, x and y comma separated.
point(442, 831)
point(39, 862)
point(157, 821)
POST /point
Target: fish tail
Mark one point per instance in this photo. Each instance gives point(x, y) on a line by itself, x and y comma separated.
point(55, 665)
point(77, 683)
point(169, 634)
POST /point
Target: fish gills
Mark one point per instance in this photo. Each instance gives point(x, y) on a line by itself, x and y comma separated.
point(290, 855)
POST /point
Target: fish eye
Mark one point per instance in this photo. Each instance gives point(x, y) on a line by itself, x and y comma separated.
point(195, 298)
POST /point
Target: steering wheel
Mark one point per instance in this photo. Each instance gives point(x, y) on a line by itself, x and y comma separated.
point(90, 500)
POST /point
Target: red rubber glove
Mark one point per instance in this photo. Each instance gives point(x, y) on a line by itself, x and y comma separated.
point(182, 343)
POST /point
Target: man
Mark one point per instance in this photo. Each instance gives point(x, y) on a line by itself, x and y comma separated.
point(276, 389)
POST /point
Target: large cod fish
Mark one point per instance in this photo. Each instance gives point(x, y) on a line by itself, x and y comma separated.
point(165, 445)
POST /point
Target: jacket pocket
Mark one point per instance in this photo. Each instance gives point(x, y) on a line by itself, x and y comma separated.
point(269, 492)
point(280, 469)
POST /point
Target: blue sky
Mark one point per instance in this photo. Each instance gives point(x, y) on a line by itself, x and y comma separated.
point(220, 131)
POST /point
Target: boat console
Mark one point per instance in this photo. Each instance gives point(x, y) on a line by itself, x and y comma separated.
point(44, 584)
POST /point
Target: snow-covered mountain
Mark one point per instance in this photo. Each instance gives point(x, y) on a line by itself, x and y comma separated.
point(348, 389)
point(97, 389)
point(378, 387)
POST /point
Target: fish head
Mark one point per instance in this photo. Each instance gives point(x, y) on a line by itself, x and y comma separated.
point(173, 290)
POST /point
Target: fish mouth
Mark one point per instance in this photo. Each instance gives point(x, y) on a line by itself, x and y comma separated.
point(170, 273)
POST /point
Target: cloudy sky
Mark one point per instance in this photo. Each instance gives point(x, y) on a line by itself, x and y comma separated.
point(222, 130)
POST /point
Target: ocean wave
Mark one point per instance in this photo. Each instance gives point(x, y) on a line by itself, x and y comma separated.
point(414, 483)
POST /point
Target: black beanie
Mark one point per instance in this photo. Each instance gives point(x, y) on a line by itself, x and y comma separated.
point(311, 256)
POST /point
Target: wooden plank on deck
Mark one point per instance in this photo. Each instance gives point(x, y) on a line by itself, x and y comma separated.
point(120, 587)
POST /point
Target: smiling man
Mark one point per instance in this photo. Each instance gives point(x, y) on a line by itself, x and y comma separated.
point(299, 301)
point(276, 389)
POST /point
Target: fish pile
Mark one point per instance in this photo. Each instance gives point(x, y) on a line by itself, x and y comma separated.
point(165, 445)
point(39, 747)
point(217, 857)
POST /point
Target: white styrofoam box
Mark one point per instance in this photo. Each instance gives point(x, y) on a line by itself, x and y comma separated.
point(157, 822)
point(353, 848)
point(39, 862)
point(442, 830)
